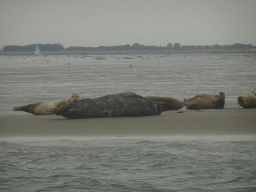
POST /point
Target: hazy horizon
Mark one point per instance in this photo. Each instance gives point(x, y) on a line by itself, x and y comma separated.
point(117, 22)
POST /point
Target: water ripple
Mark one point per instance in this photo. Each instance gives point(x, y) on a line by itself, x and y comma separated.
point(128, 165)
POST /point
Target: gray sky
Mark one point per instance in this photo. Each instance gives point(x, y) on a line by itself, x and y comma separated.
point(119, 22)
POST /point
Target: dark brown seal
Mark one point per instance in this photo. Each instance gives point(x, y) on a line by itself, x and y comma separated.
point(205, 101)
point(115, 105)
point(168, 103)
point(43, 108)
point(247, 100)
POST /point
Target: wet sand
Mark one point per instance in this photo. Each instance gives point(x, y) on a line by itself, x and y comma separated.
point(226, 121)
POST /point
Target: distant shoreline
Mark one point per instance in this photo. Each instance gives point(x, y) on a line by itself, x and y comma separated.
point(137, 51)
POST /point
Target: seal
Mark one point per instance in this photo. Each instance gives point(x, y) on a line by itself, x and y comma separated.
point(168, 103)
point(116, 105)
point(205, 101)
point(247, 100)
point(44, 108)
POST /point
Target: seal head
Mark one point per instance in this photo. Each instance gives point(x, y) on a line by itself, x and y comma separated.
point(247, 100)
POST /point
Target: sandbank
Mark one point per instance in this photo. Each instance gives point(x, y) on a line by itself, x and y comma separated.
point(224, 121)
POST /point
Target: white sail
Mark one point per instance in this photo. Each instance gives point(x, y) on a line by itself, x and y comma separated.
point(37, 51)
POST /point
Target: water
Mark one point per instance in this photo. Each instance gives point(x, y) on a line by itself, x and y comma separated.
point(30, 79)
point(171, 163)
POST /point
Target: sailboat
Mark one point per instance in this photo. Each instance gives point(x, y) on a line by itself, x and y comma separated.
point(37, 51)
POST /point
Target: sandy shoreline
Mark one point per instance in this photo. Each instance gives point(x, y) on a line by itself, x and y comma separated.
point(226, 121)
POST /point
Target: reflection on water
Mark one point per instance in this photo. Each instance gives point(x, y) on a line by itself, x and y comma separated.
point(30, 79)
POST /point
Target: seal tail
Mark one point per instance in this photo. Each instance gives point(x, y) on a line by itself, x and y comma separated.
point(22, 108)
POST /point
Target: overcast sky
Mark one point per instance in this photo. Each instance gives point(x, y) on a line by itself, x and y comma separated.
point(119, 22)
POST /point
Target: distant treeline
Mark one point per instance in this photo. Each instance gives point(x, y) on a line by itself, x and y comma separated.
point(175, 46)
point(118, 47)
point(45, 47)
point(169, 46)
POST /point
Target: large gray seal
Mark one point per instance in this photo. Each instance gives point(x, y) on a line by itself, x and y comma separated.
point(115, 105)
point(168, 103)
point(44, 108)
point(247, 100)
point(205, 101)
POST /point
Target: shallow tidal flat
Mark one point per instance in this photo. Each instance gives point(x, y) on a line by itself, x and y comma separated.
point(204, 122)
point(29, 79)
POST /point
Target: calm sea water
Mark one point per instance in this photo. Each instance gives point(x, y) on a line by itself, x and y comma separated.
point(30, 79)
point(173, 163)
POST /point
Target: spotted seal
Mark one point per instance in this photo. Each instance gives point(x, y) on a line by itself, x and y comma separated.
point(115, 105)
point(44, 108)
point(205, 101)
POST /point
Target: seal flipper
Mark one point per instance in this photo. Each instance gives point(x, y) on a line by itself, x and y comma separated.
point(22, 108)
point(59, 110)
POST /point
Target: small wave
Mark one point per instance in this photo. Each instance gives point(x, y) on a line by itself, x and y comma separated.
point(118, 185)
point(128, 58)
point(159, 164)
point(146, 142)
point(60, 176)
point(100, 58)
